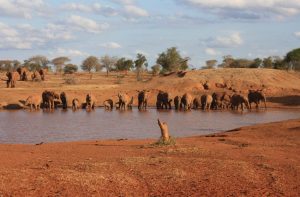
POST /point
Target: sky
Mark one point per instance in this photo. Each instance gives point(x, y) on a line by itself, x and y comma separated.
point(200, 29)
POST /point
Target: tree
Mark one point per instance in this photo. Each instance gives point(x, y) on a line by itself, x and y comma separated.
point(267, 62)
point(108, 62)
point(37, 62)
point(241, 63)
point(9, 65)
point(256, 63)
point(293, 59)
point(124, 64)
point(70, 68)
point(156, 69)
point(171, 60)
point(139, 63)
point(90, 63)
point(227, 60)
point(59, 62)
point(279, 63)
point(210, 64)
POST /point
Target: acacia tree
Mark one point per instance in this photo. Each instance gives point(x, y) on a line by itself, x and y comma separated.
point(124, 64)
point(293, 59)
point(59, 63)
point(267, 62)
point(9, 65)
point(90, 63)
point(139, 63)
point(156, 69)
point(171, 60)
point(210, 64)
point(108, 62)
point(70, 68)
point(36, 62)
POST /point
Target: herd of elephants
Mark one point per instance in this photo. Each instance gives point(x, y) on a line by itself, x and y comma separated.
point(215, 101)
point(49, 99)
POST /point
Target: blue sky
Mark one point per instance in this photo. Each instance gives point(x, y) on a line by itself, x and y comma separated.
point(201, 29)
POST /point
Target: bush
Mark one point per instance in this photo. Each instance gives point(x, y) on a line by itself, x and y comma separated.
point(70, 69)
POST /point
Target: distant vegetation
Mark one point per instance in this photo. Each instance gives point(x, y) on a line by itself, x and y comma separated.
point(167, 61)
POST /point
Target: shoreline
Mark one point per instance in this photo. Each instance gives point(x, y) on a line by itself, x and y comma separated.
point(254, 160)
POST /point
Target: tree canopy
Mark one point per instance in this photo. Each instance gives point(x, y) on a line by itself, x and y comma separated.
point(90, 63)
point(171, 60)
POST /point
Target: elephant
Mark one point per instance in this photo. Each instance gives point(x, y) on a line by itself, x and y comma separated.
point(217, 101)
point(49, 98)
point(12, 77)
point(90, 101)
point(23, 73)
point(187, 101)
point(196, 102)
point(35, 76)
point(123, 101)
point(239, 100)
point(130, 103)
point(63, 99)
point(108, 104)
point(163, 101)
point(177, 101)
point(226, 100)
point(42, 73)
point(75, 104)
point(34, 101)
point(255, 96)
point(206, 101)
point(142, 99)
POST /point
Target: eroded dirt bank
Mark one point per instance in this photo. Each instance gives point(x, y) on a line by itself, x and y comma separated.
point(260, 160)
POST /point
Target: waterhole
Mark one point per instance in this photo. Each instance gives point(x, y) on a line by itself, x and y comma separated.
point(23, 127)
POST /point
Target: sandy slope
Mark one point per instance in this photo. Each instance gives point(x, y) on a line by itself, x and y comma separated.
point(282, 87)
point(259, 160)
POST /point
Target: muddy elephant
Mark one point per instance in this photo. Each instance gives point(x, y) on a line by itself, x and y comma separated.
point(35, 101)
point(177, 100)
point(35, 76)
point(186, 101)
point(256, 96)
point(226, 100)
point(23, 73)
point(63, 98)
point(90, 101)
point(49, 98)
point(163, 101)
point(42, 73)
point(239, 100)
point(75, 104)
point(142, 99)
point(12, 77)
point(206, 101)
point(196, 102)
point(124, 101)
point(217, 101)
point(108, 104)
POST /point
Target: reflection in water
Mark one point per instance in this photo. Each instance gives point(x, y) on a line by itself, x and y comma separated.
point(61, 125)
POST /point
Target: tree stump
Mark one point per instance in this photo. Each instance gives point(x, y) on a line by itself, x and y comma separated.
point(164, 131)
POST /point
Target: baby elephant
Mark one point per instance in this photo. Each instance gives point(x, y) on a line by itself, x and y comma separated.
point(108, 104)
point(75, 104)
point(34, 101)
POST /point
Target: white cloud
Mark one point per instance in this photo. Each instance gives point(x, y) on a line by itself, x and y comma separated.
point(211, 51)
point(95, 8)
point(297, 34)
point(111, 45)
point(250, 9)
point(22, 8)
point(11, 39)
point(132, 10)
point(232, 40)
point(86, 24)
point(67, 52)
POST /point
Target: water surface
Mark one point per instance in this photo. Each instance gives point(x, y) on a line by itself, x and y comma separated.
point(60, 126)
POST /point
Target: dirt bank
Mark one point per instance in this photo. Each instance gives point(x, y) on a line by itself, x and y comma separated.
point(281, 87)
point(260, 160)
